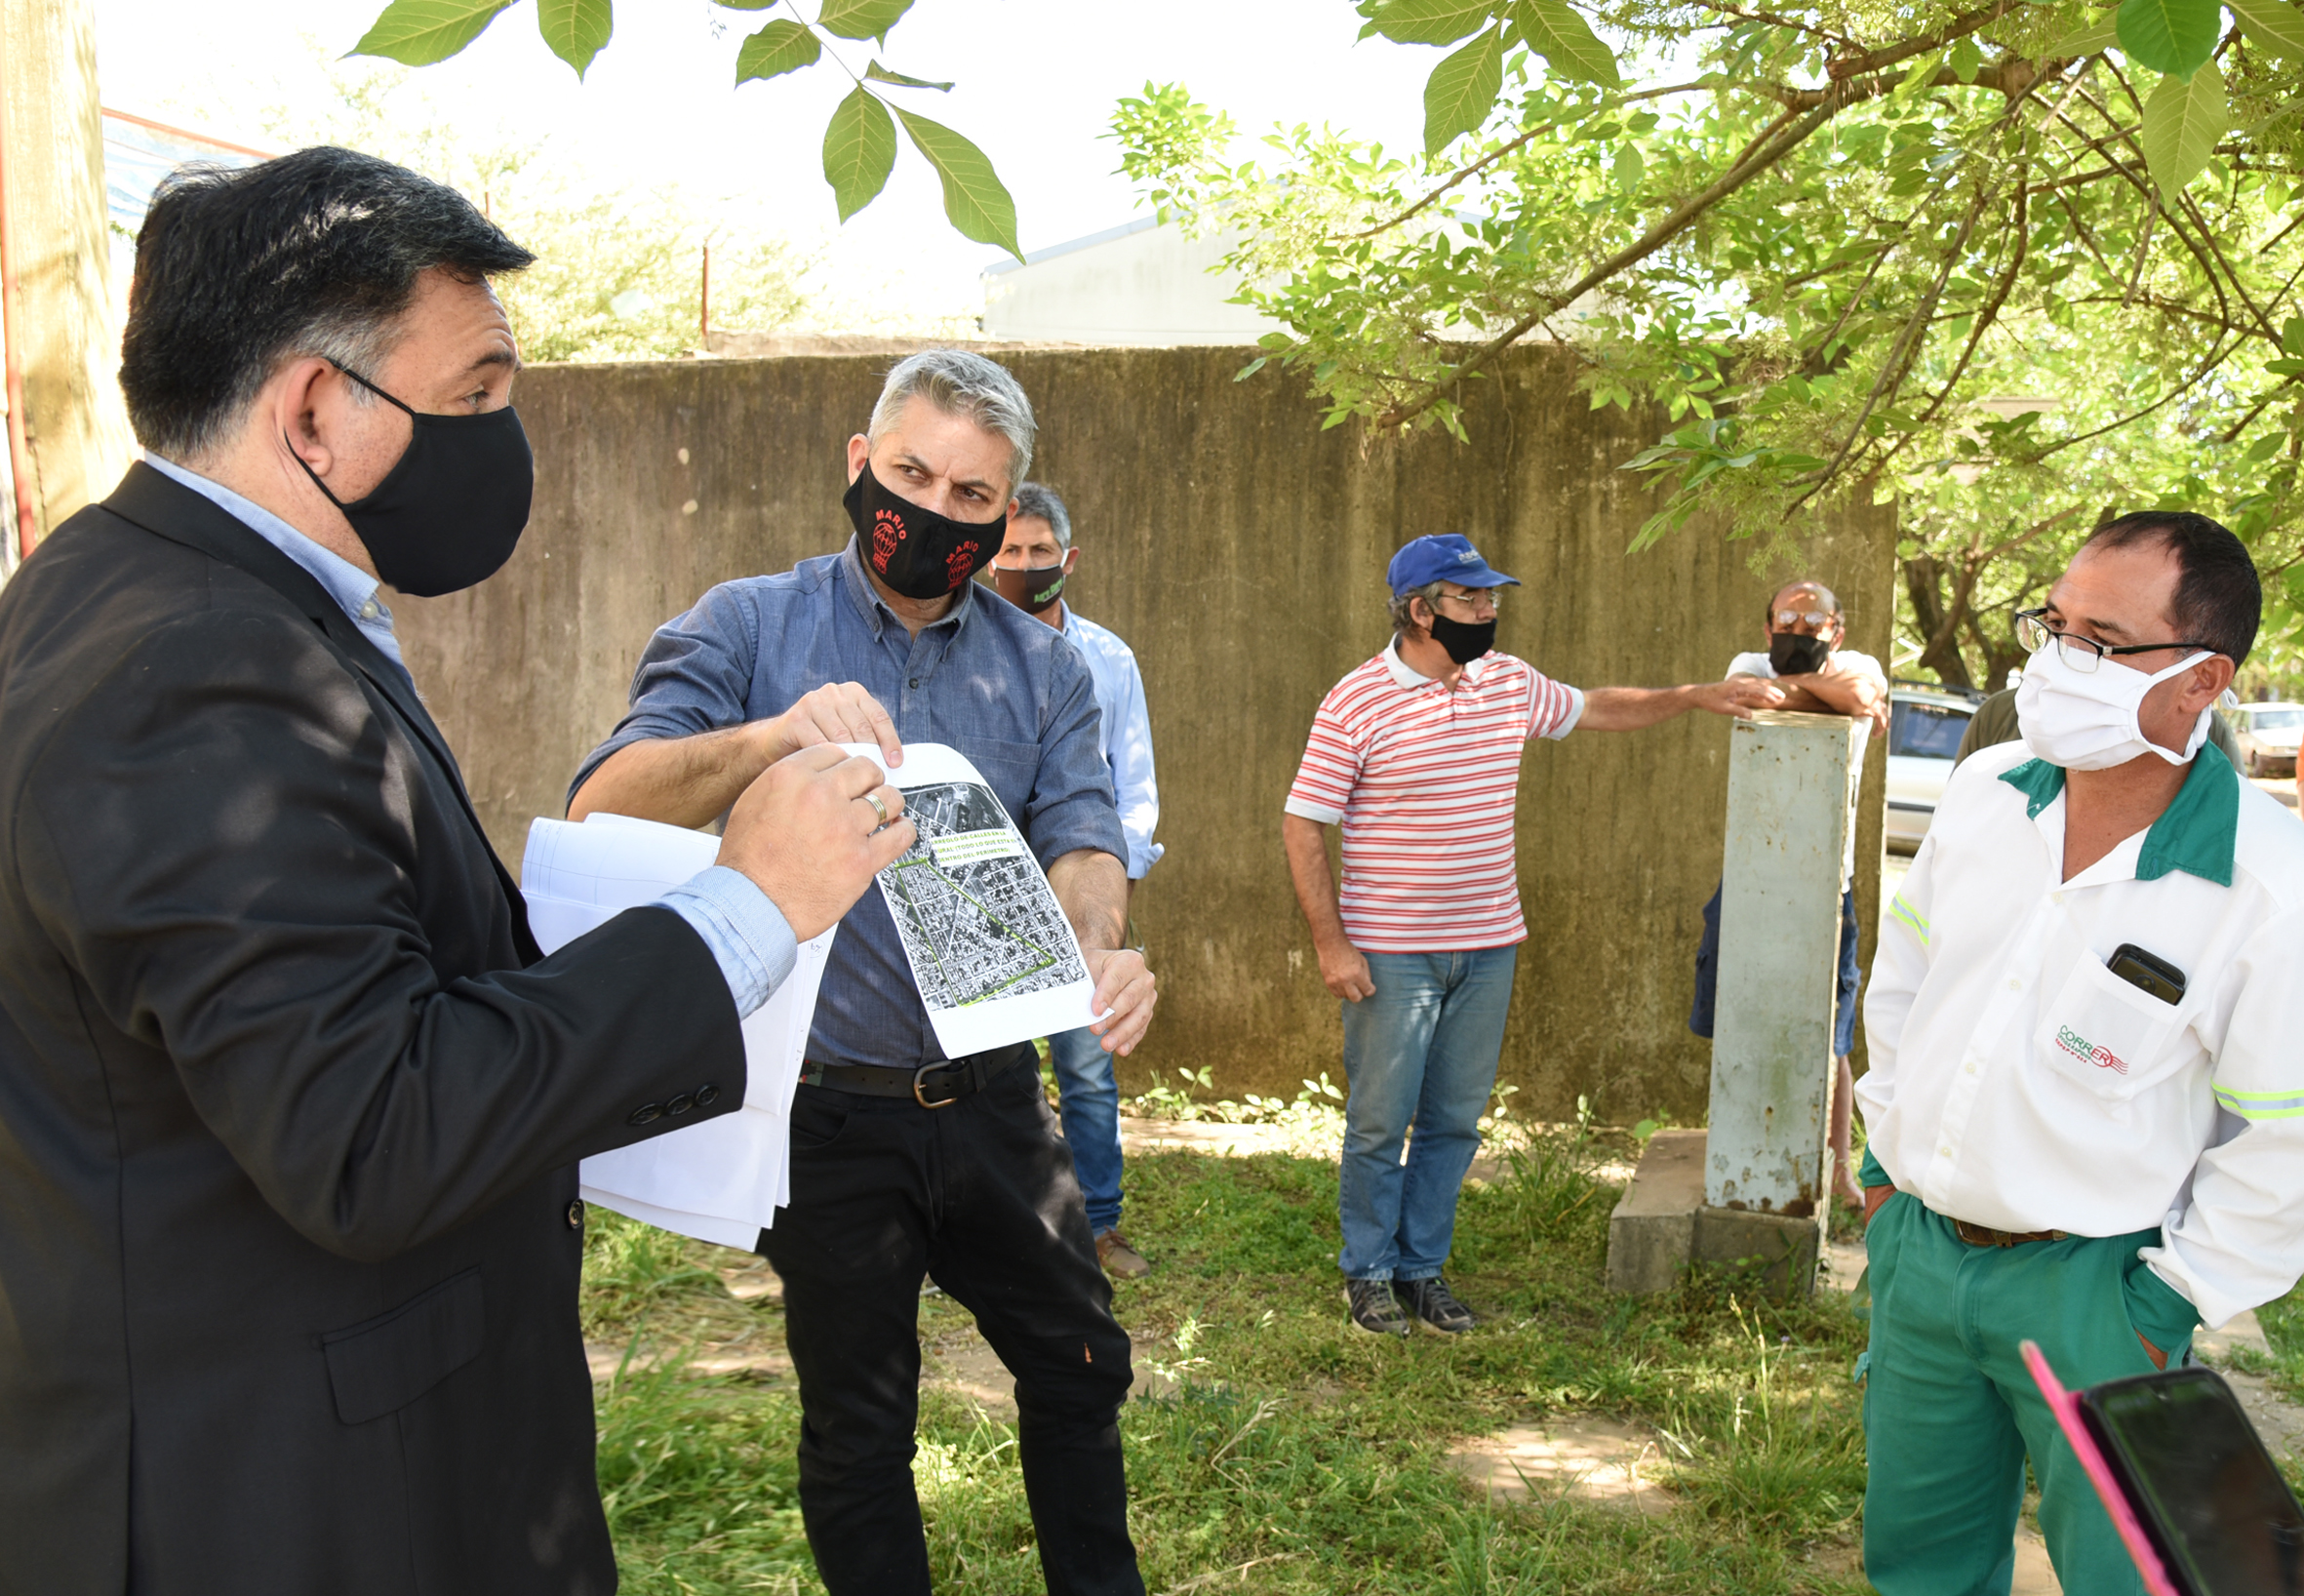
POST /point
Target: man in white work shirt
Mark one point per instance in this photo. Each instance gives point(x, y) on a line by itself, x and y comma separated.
point(2085, 1077)
point(1035, 559)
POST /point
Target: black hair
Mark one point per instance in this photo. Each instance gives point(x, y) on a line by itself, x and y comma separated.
point(2219, 598)
point(1831, 604)
point(313, 253)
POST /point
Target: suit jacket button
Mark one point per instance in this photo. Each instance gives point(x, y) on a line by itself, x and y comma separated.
point(680, 1104)
point(576, 1214)
point(648, 1113)
point(707, 1095)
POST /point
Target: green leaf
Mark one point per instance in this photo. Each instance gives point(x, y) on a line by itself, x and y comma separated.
point(1920, 78)
point(859, 151)
point(2182, 122)
point(1462, 91)
point(419, 32)
point(2170, 35)
point(784, 47)
point(2086, 39)
point(577, 31)
point(1430, 22)
point(2275, 24)
point(746, 5)
point(1565, 41)
point(861, 19)
point(975, 201)
point(881, 74)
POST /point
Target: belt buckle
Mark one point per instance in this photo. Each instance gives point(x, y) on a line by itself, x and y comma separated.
point(921, 1074)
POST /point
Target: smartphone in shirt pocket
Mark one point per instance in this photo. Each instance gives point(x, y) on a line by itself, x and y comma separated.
point(2107, 1035)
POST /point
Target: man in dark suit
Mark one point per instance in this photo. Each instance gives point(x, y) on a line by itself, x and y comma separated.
point(290, 1105)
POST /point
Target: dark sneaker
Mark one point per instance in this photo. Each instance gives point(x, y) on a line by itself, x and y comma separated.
point(1372, 1307)
point(1433, 1303)
point(1120, 1260)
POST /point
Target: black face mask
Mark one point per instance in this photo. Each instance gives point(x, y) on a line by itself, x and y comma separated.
point(921, 554)
point(1793, 655)
point(449, 514)
point(1465, 641)
point(1034, 591)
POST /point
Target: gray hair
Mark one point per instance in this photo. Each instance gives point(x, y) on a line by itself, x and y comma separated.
point(1401, 620)
point(960, 384)
point(1831, 603)
point(1039, 500)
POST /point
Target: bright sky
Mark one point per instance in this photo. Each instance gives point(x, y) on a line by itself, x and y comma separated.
point(1038, 80)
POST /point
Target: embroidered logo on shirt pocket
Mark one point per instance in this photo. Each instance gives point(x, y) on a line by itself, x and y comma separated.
point(2107, 1035)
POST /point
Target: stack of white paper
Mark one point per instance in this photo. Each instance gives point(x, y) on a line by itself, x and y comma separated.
point(721, 1179)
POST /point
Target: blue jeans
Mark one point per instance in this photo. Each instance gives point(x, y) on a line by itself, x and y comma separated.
point(1420, 1054)
point(1087, 1102)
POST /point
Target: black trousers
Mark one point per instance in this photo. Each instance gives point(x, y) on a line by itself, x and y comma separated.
point(980, 1197)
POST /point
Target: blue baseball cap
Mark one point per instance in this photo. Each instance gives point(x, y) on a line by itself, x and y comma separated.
point(1442, 557)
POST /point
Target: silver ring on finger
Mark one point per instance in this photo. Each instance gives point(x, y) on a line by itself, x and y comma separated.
point(878, 807)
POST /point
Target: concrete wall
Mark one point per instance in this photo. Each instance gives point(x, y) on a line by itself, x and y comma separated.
point(1241, 550)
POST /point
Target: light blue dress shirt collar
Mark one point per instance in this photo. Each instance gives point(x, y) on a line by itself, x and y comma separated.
point(749, 936)
point(354, 589)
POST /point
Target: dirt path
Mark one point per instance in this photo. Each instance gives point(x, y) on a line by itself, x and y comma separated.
point(1591, 1456)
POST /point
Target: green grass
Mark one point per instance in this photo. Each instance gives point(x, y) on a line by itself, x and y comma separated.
point(1297, 1455)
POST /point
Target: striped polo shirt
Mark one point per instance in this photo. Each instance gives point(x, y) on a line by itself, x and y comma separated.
point(1423, 781)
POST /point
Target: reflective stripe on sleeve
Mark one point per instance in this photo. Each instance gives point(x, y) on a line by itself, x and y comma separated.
point(2288, 1104)
point(1906, 913)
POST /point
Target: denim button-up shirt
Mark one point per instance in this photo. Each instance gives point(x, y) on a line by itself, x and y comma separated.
point(1004, 690)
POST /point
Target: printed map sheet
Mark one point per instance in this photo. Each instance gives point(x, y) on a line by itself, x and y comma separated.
point(990, 948)
point(722, 1180)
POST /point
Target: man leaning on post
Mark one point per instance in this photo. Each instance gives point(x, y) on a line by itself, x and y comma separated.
point(290, 1104)
point(907, 1163)
point(1415, 755)
point(2084, 1081)
point(1803, 629)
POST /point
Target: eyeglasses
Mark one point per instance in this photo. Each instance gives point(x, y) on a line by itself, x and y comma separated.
point(1486, 595)
point(1814, 617)
point(2082, 653)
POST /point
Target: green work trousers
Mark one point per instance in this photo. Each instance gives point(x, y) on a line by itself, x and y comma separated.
point(1951, 1412)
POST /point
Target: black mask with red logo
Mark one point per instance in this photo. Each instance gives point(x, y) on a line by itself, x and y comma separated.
point(921, 554)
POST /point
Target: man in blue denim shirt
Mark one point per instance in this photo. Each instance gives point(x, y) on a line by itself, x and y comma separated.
point(904, 1163)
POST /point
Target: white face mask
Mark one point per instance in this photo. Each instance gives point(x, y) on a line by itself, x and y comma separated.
point(2087, 720)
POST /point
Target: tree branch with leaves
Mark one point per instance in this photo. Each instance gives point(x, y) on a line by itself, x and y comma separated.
point(859, 141)
point(1825, 259)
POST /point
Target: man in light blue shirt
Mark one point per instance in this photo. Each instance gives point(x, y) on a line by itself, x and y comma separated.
point(1035, 559)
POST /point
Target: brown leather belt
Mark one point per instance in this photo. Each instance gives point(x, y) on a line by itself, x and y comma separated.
point(1976, 1235)
point(931, 1086)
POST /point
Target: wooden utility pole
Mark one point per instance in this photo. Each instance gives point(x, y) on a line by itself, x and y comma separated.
point(70, 428)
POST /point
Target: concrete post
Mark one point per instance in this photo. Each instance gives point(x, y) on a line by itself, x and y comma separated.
point(1789, 781)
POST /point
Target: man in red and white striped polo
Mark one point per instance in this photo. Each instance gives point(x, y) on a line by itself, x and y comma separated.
point(1416, 755)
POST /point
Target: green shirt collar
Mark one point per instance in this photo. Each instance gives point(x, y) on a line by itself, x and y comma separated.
point(2196, 833)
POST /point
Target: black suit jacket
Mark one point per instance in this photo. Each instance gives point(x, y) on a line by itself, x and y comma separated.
point(289, 1105)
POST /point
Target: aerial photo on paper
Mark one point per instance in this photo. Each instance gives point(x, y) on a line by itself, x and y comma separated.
point(976, 917)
